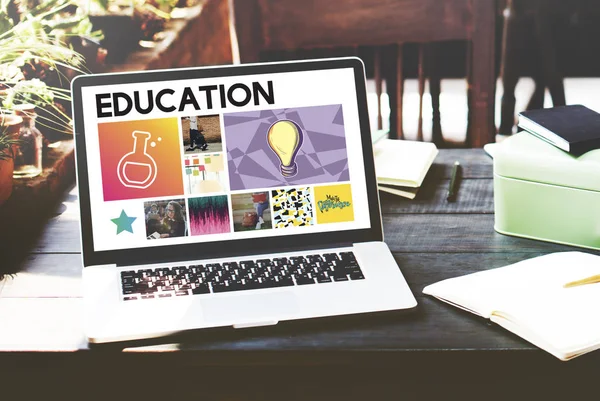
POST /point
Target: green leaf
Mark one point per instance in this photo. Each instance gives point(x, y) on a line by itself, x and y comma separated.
point(5, 22)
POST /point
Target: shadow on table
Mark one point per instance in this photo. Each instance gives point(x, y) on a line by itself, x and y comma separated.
point(283, 336)
point(23, 222)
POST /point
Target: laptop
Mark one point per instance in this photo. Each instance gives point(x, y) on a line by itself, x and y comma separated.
point(223, 196)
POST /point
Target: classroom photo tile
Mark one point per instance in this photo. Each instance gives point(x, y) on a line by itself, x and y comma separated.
point(209, 215)
point(165, 218)
point(201, 134)
point(286, 147)
point(333, 203)
point(205, 174)
point(251, 211)
point(292, 207)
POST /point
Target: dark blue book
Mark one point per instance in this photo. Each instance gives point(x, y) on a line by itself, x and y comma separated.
point(574, 128)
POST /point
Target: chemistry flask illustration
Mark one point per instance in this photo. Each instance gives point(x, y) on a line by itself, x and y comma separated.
point(137, 169)
point(285, 139)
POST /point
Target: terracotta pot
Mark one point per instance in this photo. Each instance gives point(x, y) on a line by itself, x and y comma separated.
point(9, 125)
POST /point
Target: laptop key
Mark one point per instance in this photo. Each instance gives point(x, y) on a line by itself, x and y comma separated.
point(282, 281)
point(287, 281)
point(330, 257)
point(314, 258)
point(356, 275)
point(201, 289)
point(340, 278)
point(304, 280)
point(222, 287)
point(149, 290)
point(296, 260)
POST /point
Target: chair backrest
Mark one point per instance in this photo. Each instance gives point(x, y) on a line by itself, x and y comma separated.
point(260, 26)
point(264, 25)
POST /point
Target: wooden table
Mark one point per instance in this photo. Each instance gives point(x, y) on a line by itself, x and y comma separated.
point(433, 352)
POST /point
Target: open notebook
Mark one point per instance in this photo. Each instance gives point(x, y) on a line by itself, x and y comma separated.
point(529, 299)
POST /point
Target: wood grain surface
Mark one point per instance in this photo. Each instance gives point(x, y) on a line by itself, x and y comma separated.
point(40, 310)
point(360, 22)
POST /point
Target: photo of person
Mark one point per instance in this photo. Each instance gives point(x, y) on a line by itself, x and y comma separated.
point(201, 134)
point(251, 211)
point(205, 173)
point(153, 213)
point(165, 219)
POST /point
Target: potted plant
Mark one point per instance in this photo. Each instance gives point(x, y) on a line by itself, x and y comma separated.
point(9, 127)
point(33, 58)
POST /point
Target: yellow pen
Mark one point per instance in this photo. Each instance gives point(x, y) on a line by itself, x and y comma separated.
point(587, 280)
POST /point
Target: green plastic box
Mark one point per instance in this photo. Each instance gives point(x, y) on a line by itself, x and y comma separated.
point(543, 193)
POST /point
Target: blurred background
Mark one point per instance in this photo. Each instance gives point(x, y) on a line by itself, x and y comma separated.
point(455, 72)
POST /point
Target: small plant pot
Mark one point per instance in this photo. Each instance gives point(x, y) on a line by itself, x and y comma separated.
point(9, 126)
point(122, 34)
point(6, 179)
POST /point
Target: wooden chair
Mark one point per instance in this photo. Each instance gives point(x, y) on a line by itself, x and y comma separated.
point(259, 26)
point(394, 75)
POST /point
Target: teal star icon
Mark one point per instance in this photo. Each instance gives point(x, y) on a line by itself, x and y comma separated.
point(123, 222)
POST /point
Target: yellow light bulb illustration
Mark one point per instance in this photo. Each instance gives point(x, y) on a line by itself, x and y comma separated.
point(285, 138)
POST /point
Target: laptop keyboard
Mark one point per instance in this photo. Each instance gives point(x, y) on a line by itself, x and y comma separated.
point(209, 278)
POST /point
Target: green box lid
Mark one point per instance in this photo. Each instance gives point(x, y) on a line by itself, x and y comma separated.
point(525, 157)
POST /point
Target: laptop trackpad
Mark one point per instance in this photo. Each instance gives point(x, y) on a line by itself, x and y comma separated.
point(250, 308)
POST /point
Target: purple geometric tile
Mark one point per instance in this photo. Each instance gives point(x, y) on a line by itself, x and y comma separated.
point(248, 164)
point(344, 176)
point(336, 168)
point(235, 153)
point(314, 157)
point(339, 118)
point(324, 144)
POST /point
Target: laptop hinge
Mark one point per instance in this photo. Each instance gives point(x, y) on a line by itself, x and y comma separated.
point(249, 255)
point(255, 324)
point(106, 265)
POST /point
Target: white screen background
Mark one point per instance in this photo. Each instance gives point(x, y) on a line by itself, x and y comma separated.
point(291, 89)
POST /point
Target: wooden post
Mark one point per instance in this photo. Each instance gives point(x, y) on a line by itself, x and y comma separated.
point(378, 85)
point(435, 89)
point(421, 72)
point(483, 82)
point(245, 24)
point(395, 89)
point(399, 90)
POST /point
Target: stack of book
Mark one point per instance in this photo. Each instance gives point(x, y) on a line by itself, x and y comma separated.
point(402, 165)
point(574, 128)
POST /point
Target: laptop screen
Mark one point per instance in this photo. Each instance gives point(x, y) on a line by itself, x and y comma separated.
point(204, 160)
